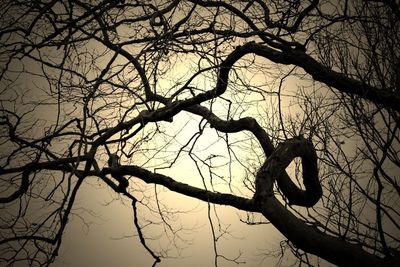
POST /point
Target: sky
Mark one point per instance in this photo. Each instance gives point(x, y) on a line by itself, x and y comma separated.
point(101, 232)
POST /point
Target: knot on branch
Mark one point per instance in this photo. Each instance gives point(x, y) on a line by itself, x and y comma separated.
point(157, 19)
point(114, 163)
point(274, 169)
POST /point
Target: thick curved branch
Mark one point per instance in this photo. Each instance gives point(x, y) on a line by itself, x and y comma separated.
point(299, 58)
point(182, 188)
point(234, 126)
point(327, 76)
point(306, 237)
point(311, 240)
point(294, 195)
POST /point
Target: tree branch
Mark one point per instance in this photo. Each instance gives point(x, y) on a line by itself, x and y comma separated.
point(182, 188)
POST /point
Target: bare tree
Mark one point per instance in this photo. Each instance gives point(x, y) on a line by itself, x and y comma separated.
point(285, 110)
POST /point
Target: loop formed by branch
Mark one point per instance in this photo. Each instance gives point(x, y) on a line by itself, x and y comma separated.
point(275, 166)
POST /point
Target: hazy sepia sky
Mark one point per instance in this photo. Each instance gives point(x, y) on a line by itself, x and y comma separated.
point(101, 232)
point(110, 237)
point(101, 244)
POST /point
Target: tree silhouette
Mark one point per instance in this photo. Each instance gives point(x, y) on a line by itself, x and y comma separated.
point(284, 109)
